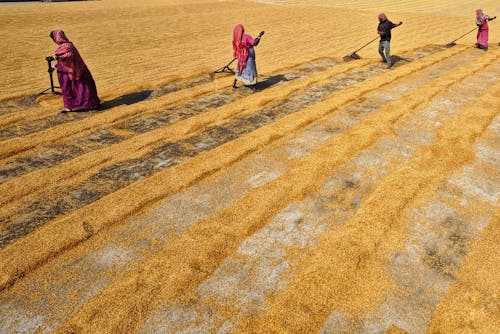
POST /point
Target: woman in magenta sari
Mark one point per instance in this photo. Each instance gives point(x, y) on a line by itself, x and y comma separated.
point(482, 32)
point(243, 51)
point(77, 85)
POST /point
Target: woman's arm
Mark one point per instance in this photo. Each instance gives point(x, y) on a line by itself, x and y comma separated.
point(257, 40)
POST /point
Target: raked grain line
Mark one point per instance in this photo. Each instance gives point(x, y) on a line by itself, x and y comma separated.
point(43, 109)
point(32, 277)
point(66, 198)
point(147, 121)
point(158, 274)
point(19, 129)
point(62, 150)
point(137, 146)
point(44, 157)
point(124, 115)
point(44, 210)
point(138, 238)
point(22, 114)
point(108, 156)
point(66, 131)
point(440, 231)
point(25, 123)
point(240, 220)
point(123, 111)
point(51, 155)
point(58, 153)
point(262, 260)
point(63, 233)
point(403, 313)
point(44, 113)
point(471, 305)
point(38, 113)
point(327, 281)
point(188, 260)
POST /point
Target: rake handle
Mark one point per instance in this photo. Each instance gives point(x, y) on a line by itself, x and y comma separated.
point(364, 46)
point(50, 70)
point(463, 35)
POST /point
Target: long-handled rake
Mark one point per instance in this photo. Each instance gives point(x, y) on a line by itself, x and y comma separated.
point(223, 69)
point(226, 68)
point(354, 55)
point(452, 43)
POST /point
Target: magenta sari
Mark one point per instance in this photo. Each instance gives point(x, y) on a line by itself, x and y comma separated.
point(483, 30)
point(78, 88)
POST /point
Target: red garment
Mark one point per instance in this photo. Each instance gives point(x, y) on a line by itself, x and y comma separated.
point(240, 46)
point(482, 32)
point(69, 60)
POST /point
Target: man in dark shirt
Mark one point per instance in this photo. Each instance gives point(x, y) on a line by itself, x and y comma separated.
point(384, 30)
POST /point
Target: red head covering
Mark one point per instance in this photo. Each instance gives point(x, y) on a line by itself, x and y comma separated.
point(240, 46)
point(382, 17)
point(70, 60)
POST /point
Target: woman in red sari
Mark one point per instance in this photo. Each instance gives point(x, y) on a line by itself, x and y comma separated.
point(77, 85)
point(483, 30)
point(243, 51)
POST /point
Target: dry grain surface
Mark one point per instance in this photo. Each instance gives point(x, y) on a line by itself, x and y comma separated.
point(339, 197)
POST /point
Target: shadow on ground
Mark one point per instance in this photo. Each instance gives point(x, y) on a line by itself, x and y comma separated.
point(127, 99)
point(397, 59)
point(271, 81)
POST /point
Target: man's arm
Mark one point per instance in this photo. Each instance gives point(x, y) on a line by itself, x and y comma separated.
point(381, 33)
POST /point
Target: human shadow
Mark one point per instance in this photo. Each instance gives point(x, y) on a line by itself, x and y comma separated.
point(271, 81)
point(126, 99)
point(396, 59)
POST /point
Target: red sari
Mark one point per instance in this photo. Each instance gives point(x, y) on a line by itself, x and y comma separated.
point(243, 51)
point(483, 30)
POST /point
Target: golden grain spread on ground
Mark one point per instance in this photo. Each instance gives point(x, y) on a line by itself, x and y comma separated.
point(340, 197)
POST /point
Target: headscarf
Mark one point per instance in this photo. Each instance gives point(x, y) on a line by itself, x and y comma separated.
point(382, 17)
point(69, 60)
point(240, 46)
point(480, 17)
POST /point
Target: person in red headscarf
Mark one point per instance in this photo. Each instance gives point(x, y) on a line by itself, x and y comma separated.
point(384, 30)
point(243, 51)
point(78, 88)
point(483, 29)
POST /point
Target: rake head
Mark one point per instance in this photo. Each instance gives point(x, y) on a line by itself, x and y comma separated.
point(451, 44)
point(352, 56)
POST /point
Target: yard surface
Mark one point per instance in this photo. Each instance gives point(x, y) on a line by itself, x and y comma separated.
point(340, 197)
